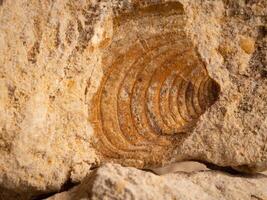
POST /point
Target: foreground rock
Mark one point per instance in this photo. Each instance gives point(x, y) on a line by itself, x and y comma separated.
point(140, 83)
point(116, 182)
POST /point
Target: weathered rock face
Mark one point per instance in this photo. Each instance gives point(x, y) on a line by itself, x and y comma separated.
point(116, 182)
point(140, 83)
point(237, 122)
point(154, 86)
point(45, 64)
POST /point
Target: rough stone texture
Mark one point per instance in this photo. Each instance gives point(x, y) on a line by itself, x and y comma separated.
point(70, 98)
point(116, 182)
point(234, 131)
point(45, 63)
point(154, 87)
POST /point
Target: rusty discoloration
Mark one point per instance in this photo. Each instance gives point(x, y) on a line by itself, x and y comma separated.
point(155, 87)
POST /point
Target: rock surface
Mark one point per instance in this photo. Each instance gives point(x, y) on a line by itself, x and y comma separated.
point(141, 83)
point(116, 182)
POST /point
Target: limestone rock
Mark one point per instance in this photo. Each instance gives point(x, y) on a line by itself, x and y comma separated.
point(154, 87)
point(116, 182)
point(141, 83)
point(45, 64)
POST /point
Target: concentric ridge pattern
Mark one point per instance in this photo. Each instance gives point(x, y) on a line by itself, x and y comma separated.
point(154, 89)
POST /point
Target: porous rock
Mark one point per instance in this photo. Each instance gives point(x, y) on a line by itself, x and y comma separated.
point(116, 182)
point(141, 83)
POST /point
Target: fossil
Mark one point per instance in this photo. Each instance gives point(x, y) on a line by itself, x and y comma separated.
point(155, 86)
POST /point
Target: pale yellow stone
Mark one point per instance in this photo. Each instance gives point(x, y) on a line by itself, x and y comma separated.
point(122, 183)
point(66, 64)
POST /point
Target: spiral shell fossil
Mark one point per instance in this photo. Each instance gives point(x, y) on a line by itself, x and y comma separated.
point(155, 86)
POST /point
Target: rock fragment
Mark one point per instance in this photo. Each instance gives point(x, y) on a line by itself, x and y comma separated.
point(116, 182)
point(141, 83)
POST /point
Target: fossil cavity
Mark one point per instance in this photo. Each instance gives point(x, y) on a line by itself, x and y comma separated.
point(155, 87)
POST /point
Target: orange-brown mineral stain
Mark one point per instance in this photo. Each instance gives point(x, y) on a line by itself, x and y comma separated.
point(155, 87)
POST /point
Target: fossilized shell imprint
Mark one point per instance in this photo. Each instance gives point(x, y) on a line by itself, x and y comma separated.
point(154, 89)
